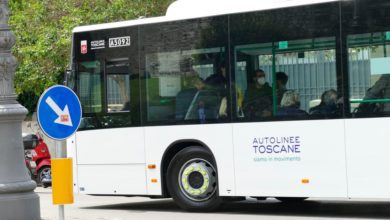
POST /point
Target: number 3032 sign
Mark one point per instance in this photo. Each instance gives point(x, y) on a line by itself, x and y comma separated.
point(119, 42)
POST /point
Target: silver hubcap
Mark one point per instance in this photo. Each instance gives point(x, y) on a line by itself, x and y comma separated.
point(45, 172)
point(198, 180)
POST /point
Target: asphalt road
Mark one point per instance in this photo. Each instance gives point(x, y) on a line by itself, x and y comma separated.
point(128, 208)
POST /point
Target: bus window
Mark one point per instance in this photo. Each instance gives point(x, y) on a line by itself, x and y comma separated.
point(288, 79)
point(118, 86)
point(369, 74)
point(119, 106)
point(90, 86)
point(185, 86)
point(308, 68)
point(185, 71)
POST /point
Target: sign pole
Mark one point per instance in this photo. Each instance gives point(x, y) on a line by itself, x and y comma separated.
point(61, 212)
point(60, 153)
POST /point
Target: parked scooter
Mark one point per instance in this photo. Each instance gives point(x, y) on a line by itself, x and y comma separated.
point(37, 159)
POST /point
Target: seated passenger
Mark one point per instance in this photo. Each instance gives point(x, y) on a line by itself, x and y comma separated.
point(281, 82)
point(290, 105)
point(218, 80)
point(185, 97)
point(380, 90)
point(204, 107)
point(218, 83)
point(328, 105)
point(258, 97)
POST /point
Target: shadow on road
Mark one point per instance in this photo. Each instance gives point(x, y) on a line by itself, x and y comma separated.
point(166, 205)
point(310, 208)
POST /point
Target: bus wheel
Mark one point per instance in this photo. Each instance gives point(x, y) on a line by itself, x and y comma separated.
point(192, 180)
point(291, 199)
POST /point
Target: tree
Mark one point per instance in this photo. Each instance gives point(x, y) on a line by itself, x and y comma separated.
point(43, 29)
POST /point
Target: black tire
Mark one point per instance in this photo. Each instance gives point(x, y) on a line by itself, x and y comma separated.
point(42, 172)
point(205, 174)
point(45, 185)
point(291, 199)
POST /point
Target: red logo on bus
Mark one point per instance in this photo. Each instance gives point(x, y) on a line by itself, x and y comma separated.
point(84, 47)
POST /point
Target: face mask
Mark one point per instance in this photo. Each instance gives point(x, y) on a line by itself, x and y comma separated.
point(261, 81)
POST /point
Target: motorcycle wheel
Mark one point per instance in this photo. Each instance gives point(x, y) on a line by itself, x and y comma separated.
point(46, 170)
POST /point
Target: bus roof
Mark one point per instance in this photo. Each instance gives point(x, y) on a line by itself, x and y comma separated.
point(187, 9)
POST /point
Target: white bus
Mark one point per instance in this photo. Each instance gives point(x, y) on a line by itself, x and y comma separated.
point(232, 99)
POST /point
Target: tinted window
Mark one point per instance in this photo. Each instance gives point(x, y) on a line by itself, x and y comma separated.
point(367, 30)
point(118, 85)
point(185, 75)
point(90, 86)
point(285, 63)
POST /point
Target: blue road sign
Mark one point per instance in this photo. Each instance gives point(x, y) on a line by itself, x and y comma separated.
point(59, 112)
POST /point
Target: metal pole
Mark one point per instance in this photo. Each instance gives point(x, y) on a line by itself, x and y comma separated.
point(61, 212)
point(60, 153)
point(17, 197)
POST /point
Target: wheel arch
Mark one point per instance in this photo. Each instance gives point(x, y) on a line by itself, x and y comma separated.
point(171, 151)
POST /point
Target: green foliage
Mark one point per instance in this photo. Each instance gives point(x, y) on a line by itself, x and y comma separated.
point(43, 29)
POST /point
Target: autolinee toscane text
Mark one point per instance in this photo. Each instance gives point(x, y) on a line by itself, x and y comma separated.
point(277, 145)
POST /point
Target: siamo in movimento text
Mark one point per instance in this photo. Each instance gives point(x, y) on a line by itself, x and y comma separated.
point(285, 148)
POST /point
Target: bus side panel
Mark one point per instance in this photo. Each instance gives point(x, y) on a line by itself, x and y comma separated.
point(111, 161)
point(290, 159)
point(368, 151)
point(218, 137)
point(111, 146)
point(106, 179)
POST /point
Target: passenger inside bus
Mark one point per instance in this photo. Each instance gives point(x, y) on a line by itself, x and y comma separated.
point(290, 105)
point(218, 80)
point(281, 82)
point(328, 107)
point(258, 97)
point(379, 91)
point(204, 107)
point(206, 101)
point(186, 96)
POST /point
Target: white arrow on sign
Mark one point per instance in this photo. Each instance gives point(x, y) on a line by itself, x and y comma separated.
point(63, 115)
